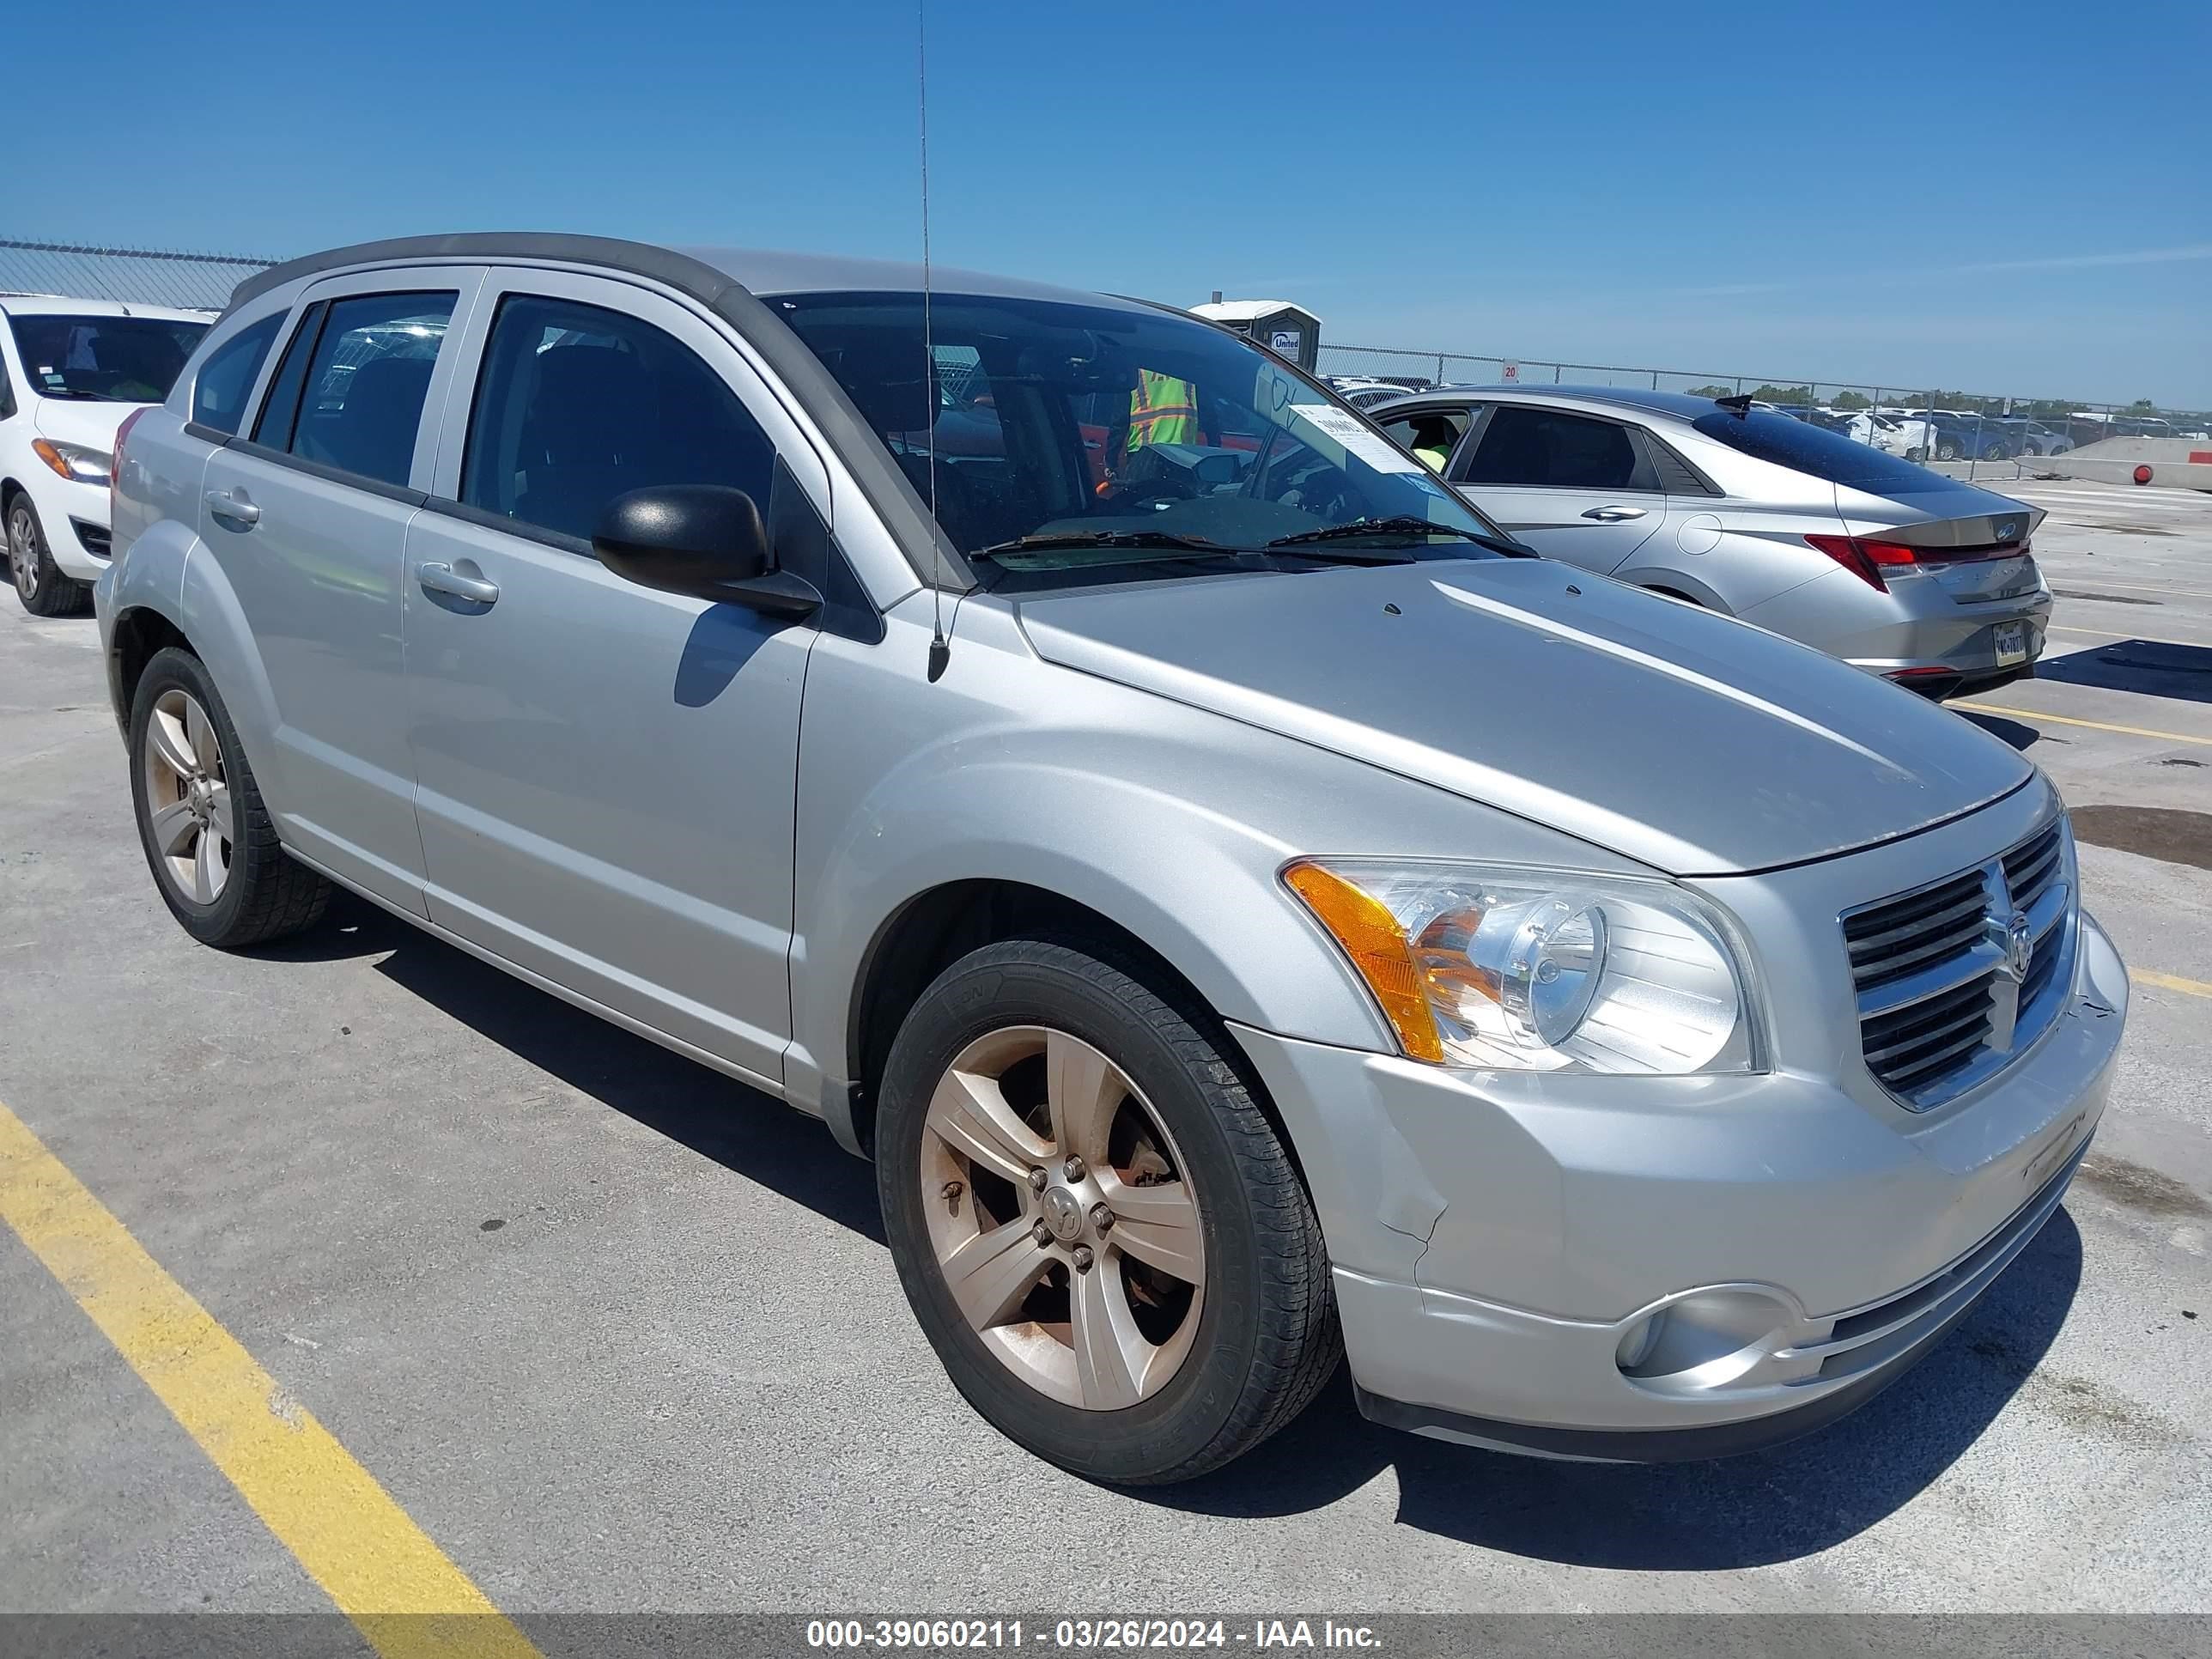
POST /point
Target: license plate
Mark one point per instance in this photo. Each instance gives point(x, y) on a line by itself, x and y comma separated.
point(2012, 643)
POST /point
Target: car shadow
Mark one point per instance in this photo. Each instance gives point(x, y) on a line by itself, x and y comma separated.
point(1772, 1506)
point(2153, 667)
point(2020, 737)
point(737, 1127)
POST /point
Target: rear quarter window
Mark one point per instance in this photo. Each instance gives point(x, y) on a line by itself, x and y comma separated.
point(220, 390)
point(1812, 450)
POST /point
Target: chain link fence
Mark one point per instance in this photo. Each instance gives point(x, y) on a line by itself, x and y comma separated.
point(1989, 433)
point(1981, 430)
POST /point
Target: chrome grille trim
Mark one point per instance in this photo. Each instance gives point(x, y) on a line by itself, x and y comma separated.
point(1945, 1000)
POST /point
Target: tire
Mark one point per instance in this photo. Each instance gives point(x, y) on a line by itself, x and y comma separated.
point(1257, 1336)
point(1996, 452)
point(1947, 450)
point(40, 586)
point(1916, 453)
point(229, 893)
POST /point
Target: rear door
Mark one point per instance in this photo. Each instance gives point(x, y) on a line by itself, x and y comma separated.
point(307, 515)
point(1577, 487)
point(606, 773)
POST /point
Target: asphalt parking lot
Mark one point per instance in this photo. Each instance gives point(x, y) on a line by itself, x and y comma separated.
point(617, 1334)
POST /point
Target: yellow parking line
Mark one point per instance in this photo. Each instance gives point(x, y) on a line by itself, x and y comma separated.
point(2107, 634)
point(2195, 987)
point(401, 1591)
point(2068, 720)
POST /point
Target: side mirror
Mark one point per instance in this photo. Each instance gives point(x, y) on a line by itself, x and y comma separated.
point(705, 541)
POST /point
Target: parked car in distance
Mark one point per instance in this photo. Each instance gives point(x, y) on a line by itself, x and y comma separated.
point(1925, 580)
point(70, 371)
point(2037, 439)
point(1250, 912)
point(1365, 394)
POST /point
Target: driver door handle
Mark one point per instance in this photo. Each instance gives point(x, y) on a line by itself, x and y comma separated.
point(1614, 514)
point(233, 504)
point(444, 579)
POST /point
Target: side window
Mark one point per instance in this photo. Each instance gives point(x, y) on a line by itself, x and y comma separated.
point(577, 404)
point(1550, 448)
point(366, 383)
point(1431, 435)
point(280, 407)
point(219, 393)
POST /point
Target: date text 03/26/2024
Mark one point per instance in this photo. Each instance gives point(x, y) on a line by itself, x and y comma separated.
point(1086, 1634)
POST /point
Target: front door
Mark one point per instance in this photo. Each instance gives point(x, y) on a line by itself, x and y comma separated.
point(306, 514)
point(1573, 487)
point(606, 774)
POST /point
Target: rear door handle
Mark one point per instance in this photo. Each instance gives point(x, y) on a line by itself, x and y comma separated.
point(233, 504)
point(444, 579)
point(1614, 514)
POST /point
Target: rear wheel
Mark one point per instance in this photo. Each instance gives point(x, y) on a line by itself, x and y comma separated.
point(1097, 1227)
point(39, 584)
point(1996, 452)
point(208, 838)
point(1947, 449)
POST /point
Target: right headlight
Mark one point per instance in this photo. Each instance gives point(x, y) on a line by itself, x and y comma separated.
point(1507, 967)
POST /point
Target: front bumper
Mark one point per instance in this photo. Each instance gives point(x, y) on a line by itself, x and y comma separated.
point(1500, 1241)
point(72, 515)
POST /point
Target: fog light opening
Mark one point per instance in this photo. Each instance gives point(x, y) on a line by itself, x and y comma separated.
point(1639, 1339)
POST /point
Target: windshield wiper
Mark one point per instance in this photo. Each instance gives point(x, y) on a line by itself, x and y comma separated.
point(1403, 526)
point(1066, 538)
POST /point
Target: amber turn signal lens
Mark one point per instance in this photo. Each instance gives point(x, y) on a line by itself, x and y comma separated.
point(1371, 936)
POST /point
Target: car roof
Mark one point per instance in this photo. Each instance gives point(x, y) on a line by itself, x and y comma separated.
point(50, 305)
point(704, 272)
point(1681, 405)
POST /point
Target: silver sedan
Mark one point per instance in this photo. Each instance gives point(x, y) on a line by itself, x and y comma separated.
point(1895, 568)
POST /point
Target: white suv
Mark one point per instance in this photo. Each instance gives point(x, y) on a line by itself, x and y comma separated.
point(71, 371)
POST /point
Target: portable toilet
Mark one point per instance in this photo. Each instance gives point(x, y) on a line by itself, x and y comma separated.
point(1287, 329)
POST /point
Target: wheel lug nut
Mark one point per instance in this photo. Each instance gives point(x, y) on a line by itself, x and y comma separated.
point(1039, 1181)
point(1073, 1169)
point(1083, 1258)
point(1042, 1233)
point(1101, 1217)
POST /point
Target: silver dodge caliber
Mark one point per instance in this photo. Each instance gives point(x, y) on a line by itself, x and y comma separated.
point(1250, 913)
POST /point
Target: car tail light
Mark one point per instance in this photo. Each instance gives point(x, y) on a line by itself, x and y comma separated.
point(1863, 558)
point(1866, 559)
point(115, 464)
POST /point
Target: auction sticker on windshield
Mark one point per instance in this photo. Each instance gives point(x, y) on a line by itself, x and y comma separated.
point(1354, 439)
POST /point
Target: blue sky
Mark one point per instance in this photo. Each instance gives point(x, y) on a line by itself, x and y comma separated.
point(2007, 197)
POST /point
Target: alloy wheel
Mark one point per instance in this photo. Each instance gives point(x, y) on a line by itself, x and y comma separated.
point(23, 552)
point(188, 804)
point(1062, 1217)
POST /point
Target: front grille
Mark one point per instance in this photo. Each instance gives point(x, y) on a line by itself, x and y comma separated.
point(1945, 999)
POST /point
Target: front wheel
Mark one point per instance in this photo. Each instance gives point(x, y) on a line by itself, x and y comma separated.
point(39, 585)
point(1097, 1227)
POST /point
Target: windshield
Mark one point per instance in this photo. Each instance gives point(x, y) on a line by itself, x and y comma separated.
point(117, 359)
point(1104, 435)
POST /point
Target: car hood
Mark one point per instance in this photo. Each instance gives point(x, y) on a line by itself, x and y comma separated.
point(68, 420)
point(1683, 739)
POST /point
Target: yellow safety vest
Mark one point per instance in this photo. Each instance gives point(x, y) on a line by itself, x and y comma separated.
point(1162, 411)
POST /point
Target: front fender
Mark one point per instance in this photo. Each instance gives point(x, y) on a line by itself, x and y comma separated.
point(1170, 821)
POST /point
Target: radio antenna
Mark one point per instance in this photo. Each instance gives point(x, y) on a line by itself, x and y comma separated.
point(940, 648)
